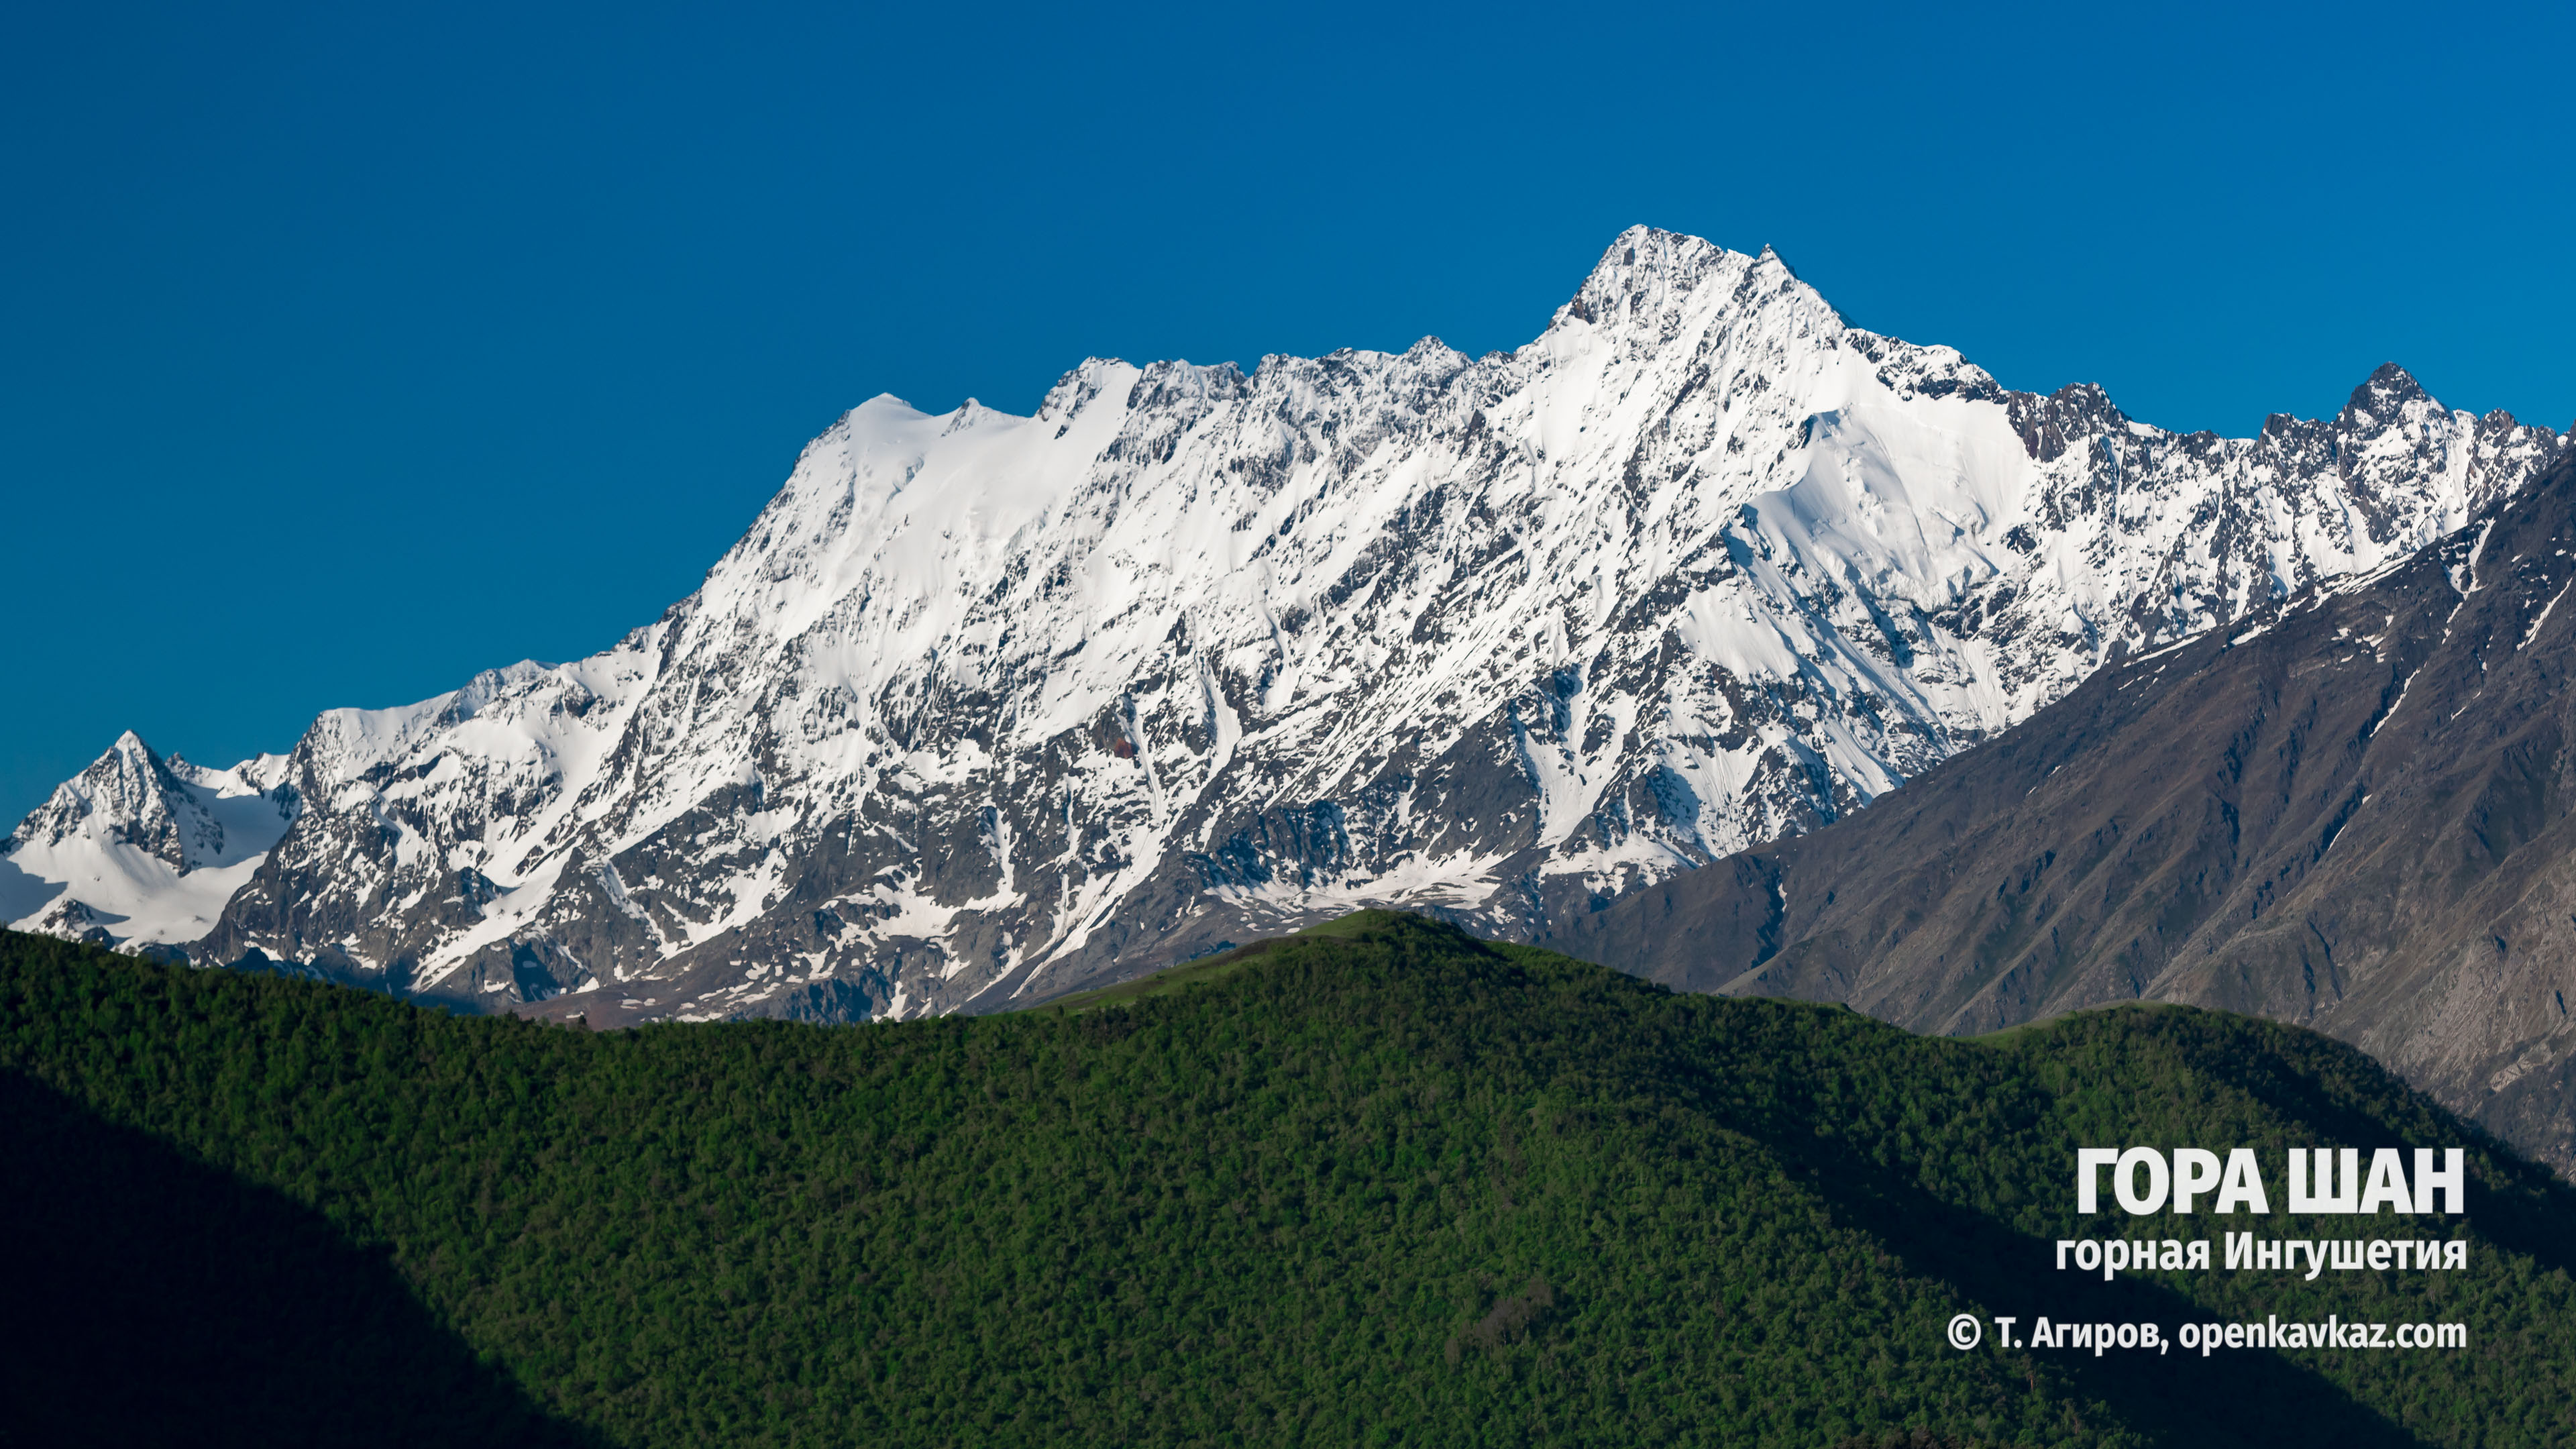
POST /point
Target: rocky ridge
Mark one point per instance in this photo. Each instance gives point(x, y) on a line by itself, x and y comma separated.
point(984, 708)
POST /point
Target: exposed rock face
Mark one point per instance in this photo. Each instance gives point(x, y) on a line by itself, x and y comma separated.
point(984, 708)
point(2356, 812)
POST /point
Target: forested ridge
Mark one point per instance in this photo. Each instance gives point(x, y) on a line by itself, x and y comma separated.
point(1380, 1183)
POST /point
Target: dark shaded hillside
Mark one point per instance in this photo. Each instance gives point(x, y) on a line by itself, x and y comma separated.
point(1382, 1184)
point(152, 1299)
point(2353, 812)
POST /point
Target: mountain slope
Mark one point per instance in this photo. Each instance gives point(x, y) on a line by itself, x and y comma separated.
point(983, 706)
point(2354, 813)
point(1386, 1183)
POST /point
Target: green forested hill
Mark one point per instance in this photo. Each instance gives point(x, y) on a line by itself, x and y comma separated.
point(1377, 1184)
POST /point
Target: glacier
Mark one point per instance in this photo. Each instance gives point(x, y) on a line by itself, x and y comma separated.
point(987, 708)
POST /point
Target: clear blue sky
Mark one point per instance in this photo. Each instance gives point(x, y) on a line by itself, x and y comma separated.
point(351, 349)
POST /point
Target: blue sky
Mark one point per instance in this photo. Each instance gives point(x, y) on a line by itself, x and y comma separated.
point(345, 351)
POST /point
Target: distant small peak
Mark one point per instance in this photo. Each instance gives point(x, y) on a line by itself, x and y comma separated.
point(1432, 353)
point(1073, 391)
point(885, 403)
point(968, 414)
point(2388, 389)
point(133, 753)
point(1637, 235)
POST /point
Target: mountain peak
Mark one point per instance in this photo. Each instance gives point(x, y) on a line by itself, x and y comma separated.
point(2388, 382)
point(1079, 386)
point(2389, 397)
point(125, 794)
point(1651, 252)
point(1641, 271)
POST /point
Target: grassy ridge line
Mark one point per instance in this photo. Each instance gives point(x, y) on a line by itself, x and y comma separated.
point(1315, 1199)
point(1355, 926)
point(1161, 983)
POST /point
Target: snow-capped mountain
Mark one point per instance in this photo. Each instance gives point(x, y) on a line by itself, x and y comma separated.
point(140, 850)
point(986, 707)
